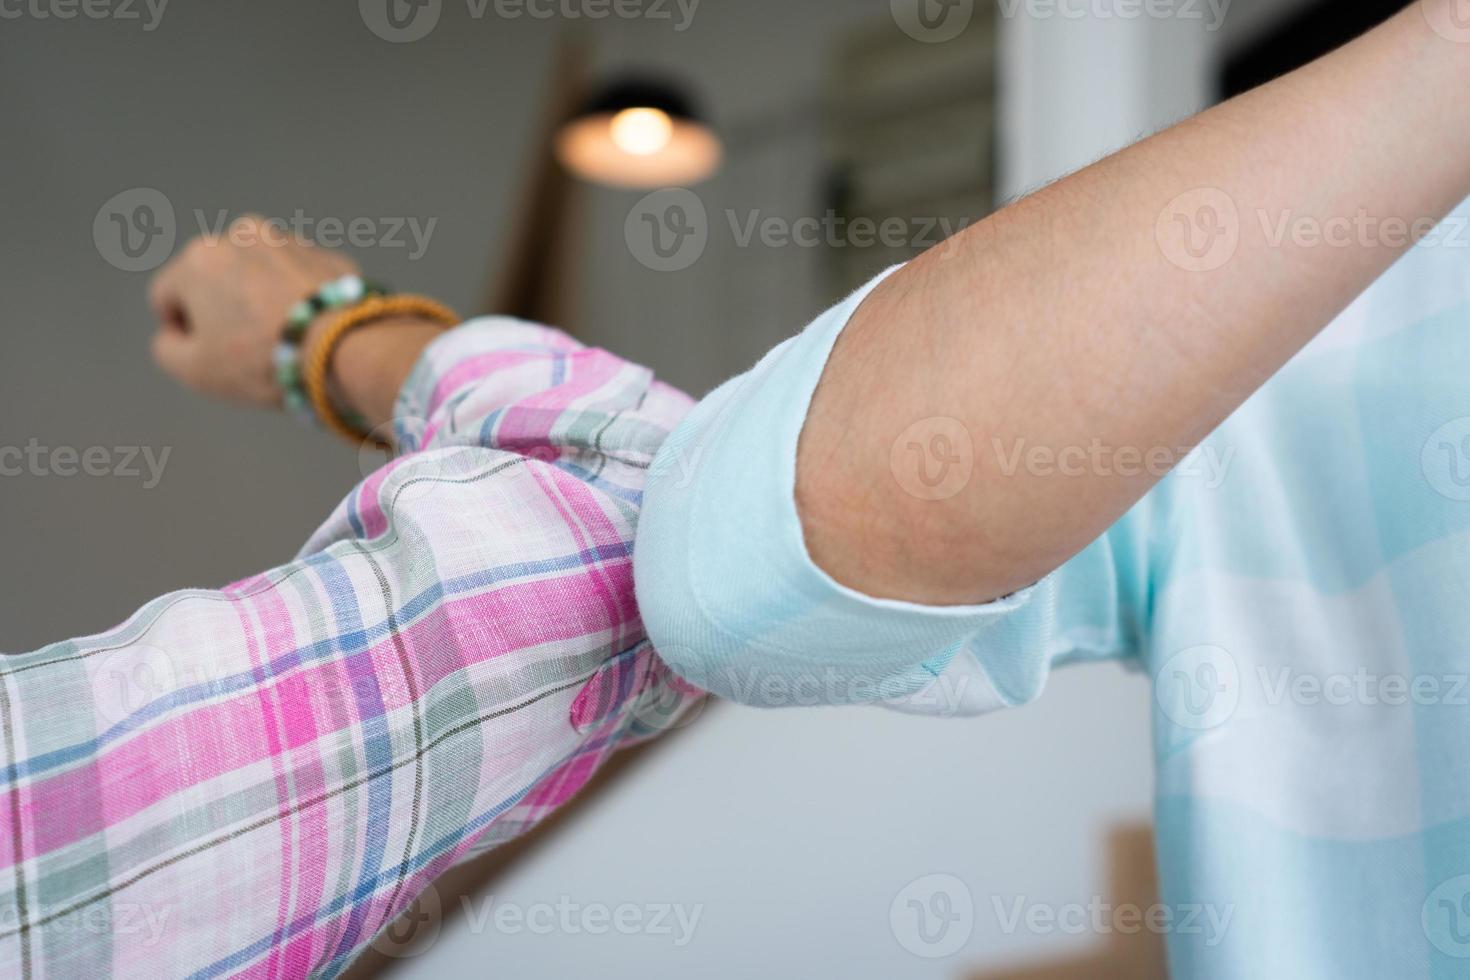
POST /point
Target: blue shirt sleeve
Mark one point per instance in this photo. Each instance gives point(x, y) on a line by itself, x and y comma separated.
point(733, 602)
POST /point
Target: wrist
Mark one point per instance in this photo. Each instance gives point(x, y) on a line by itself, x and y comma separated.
point(370, 364)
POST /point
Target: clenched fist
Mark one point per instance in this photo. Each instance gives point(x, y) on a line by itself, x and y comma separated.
point(222, 301)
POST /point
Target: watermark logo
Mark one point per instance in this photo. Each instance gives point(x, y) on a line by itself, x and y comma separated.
point(413, 931)
point(933, 459)
point(403, 435)
point(933, 916)
point(400, 21)
point(671, 699)
point(932, 21)
point(1198, 687)
point(1450, 19)
point(668, 230)
point(1446, 917)
point(135, 230)
point(371, 456)
point(127, 680)
point(1445, 459)
point(1199, 230)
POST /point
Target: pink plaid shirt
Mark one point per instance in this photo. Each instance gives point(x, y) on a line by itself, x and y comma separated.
point(254, 781)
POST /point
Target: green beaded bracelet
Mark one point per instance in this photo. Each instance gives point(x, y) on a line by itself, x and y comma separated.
point(286, 356)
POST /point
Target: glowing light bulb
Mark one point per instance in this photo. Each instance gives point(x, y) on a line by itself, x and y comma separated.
point(641, 132)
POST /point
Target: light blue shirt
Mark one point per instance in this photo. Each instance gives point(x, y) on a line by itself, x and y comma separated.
point(1298, 589)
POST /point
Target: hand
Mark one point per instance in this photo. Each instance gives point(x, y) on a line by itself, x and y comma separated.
point(221, 304)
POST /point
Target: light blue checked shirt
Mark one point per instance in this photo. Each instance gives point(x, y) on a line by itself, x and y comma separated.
point(1299, 591)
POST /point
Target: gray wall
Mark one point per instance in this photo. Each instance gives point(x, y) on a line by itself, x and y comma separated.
point(267, 106)
point(793, 832)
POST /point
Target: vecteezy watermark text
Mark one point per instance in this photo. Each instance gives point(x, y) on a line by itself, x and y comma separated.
point(1210, 12)
point(679, 12)
point(403, 21)
point(1202, 687)
point(143, 924)
point(329, 232)
point(1201, 229)
point(934, 916)
point(669, 230)
point(417, 928)
point(569, 917)
point(148, 12)
point(136, 230)
point(122, 462)
point(937, 21)
point(1099, 917)
point(1362, 229)
point(1097, 458)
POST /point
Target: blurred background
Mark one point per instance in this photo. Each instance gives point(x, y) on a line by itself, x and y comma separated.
point(821, 141)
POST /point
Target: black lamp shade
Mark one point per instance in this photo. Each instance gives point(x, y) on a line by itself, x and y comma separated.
point(638, 133)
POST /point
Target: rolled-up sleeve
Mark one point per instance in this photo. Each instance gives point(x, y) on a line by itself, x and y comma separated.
point(734, 603)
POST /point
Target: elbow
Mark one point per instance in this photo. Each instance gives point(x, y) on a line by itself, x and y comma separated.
point(914, 551)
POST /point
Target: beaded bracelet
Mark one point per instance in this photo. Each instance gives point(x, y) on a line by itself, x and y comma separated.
point(286, 356)
point(318, 360)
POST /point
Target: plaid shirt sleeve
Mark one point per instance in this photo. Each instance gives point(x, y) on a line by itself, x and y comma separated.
point(253, 781)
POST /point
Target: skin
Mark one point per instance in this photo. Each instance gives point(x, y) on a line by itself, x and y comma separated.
point(1067, 319)
point(220, 305)
point(1062, 319)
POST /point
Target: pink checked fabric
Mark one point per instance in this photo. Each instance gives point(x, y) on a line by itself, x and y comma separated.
point(254, 781)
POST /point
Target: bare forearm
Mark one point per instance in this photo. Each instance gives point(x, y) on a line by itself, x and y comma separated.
point(1076, 317)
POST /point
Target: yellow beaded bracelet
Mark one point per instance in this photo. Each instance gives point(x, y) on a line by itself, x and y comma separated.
point(318, 361)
